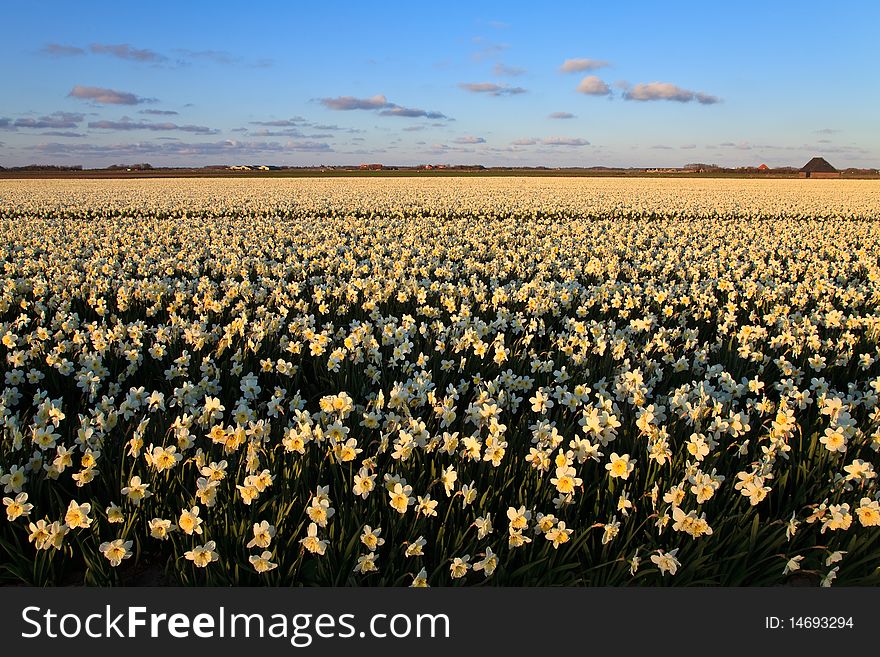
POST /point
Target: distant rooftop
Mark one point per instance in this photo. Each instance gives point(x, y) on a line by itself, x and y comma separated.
point(818, 165)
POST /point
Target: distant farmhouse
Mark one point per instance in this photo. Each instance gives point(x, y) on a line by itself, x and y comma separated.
point(819, 168)
point(763, 167)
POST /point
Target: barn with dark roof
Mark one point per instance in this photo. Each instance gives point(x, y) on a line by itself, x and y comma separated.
point(819, 168)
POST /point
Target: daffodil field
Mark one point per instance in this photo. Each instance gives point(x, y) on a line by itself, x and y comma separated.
point(457, 381)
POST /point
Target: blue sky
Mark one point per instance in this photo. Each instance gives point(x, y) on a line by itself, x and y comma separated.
point(494, 83)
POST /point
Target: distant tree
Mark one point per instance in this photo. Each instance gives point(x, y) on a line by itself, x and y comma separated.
point(47, 167)
point(700, 166)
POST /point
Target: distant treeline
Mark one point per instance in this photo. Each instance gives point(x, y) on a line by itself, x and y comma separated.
point(130, 167)
point(692, 169)
point(714, 168)
point(44, 167)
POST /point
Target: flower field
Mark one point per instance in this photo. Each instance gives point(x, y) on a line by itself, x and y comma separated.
point(458, 381)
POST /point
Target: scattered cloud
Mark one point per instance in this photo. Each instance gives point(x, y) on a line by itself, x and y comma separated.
point(839, 149)
point(469, 139)
point(120, 51)
point(213, 56)
point(564, 141)
point(229, 148)
point(265, 132)
point(5, 123)
point(445, 148)
point(688, 146)
point(381, 103)
point(593, 86)
point(56, 120)
point(550, 141)
point(287, 132)
point(61, 50)
point(62, 133)
point(158, 112)
point(362, 151)
point(293, 127)
point(346, 103)
point(411, 112)
point(182, 56)
point(668, 91)
point(706, 99)
point(219, 57)
point(125, 51)
point(491, 88)
point(561, 115)
point(487, 49)
point(827, 131)
point(106, 96)
point(502, 70)
point(807, 149)
point(661, 147)
point(579, 65)
point(281, 123)
point(307, 146)
point(127, 124)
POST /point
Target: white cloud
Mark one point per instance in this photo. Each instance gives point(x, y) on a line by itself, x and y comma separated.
point(346, 103)
point(580, 65)
point(491, 88)
point(381, 103)
point(593, 86)
point(502, 70)
point(668, 91)
point(564, 141)
point(125, 51)
point(469, 139)
point(550, 141)
point(106, 96)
